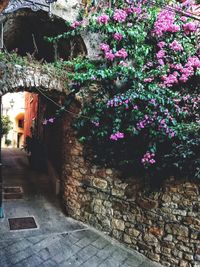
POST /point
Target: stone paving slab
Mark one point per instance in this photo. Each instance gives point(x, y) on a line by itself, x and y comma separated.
point(59, 240)
point(64, 249)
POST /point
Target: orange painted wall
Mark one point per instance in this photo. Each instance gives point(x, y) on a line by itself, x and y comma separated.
point(31, 108)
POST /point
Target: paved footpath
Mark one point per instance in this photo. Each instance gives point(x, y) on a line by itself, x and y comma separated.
point(59, 241)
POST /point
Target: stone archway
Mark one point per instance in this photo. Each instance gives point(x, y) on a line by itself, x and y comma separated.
point(16, 78)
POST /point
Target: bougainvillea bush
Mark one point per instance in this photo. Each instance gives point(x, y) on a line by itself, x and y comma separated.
point(145, 114)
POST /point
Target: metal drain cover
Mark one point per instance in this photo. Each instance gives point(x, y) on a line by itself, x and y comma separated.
point(13, 192)
point(22, 223)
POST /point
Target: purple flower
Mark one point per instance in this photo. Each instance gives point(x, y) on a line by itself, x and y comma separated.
point(116, 136)
point(96, 123)
point(51, 120)
point(161, 62)
point(104, 47)
point(103, 19)
point(160, 54)
point(148, 80)
point(161, 44)
point(120, 15)
point(109, 55)
point(118, 36)
point(121, 53)
point(76, 23)
point(148, 158)
point(176, 46)
point(190, 27)
point(45, 122)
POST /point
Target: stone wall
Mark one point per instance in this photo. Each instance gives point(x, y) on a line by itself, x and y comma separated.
point(163, 225)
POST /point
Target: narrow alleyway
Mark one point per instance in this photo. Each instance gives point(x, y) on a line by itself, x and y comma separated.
point(58, 240)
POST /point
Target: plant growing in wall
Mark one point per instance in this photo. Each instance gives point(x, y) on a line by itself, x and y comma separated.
point(145, 113)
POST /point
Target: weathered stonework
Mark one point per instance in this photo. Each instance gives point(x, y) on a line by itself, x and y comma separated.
point(16, 77)
point(164, 226)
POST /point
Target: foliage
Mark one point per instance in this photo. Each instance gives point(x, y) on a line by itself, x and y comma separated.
point(8, 142)
point(146, 111)
point(6, 125)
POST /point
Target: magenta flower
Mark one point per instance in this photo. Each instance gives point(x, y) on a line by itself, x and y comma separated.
point(193, 62)
point(160, 54)
point(176, 46)
point(121, 53)
point(76, 23)
point(161, 62)
point(51, 120)
point(103, 19)
point(148, 80)
point(190, 27)
point(104, 47)
point(120, 15)
point(109, 55)
point(96, 123)
point(161, 44)
point(118, 36)
point(148, 158)
point(116, 136)
point(183, 18)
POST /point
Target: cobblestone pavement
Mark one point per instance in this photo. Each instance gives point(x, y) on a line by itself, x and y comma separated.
point(59, 240)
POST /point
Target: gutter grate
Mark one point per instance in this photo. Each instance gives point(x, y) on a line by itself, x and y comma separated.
point(22, 223)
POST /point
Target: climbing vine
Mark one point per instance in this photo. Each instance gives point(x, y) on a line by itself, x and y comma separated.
point(145, 114)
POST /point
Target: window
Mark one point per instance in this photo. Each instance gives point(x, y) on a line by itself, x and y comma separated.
point(21, 123)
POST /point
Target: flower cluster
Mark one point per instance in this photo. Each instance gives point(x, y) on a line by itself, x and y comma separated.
point(50, 120)
point(116, 136)
point(119, 101)
point(76, 24)
point(103, 19)
point(176, 46)
point(148, 158)
point(165, 23)
point(120, 15)
point(121, 54)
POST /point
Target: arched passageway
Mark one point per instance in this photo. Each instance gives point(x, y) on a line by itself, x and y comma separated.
point(24, 32)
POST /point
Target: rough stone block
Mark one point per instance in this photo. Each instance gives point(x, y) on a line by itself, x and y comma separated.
point(100, 183)
point(177, 229)
point(118, 224)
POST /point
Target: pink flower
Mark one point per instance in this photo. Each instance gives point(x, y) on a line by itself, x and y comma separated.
point(124, 64)
point(121, 53)
point(174, 28)
point(51, 120)
point(76, 23)
point(190, 27)
point(161, 44)
point(161, 62)
point(183, 18)
point(193, 62)
point(116, 136)
point(148, 158)
point(118, 36)
point(148, 80)
point(105, 47)
point(103, 19)
point(178, 66)
point(149, 64)
point(176, 46)
point(96, 123)
point(109, 55)
point(45, 122)
point(120, 15)
point(160, 54)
